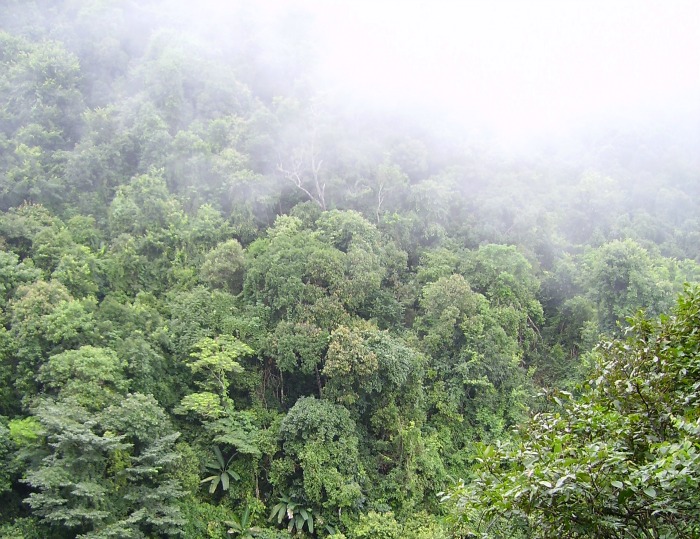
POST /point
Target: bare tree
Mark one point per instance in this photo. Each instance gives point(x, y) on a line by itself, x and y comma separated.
point(303, 168)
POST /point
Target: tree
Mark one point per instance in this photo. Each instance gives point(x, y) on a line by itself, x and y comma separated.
point(302, 165)
point(622, 277)
point(503, 275)
point(45, 320)
point(214, 360)
point(364, 364)
point(224, 267)
point(207, 230)
point(6, 452)
point(363, 260)
point(623, 460)
point(591, 207)
point(40, 86)
point(144, 205)
point(291, 269)
point(93, 376)
point(386, 187)
point(377, 526)
point(40, 112)
point(106, 474)
point(296, 267)
point(321, 463)
point(507, 279)
point(78, 270)
point(475, 386)
point(14, 273)
point(19, 225)
point(299, 348)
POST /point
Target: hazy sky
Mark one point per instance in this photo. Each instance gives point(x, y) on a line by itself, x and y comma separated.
point(518, 67)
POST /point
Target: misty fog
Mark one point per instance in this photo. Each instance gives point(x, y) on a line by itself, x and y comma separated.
point(516, 69)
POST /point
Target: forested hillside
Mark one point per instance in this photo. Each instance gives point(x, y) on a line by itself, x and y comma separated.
point(233, 305)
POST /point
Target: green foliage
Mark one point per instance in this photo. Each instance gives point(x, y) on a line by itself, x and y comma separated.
point(368, 370)
point(319, 438)
point(197, 314)
point(242, 527)
point(79, 271)
point(204, 403)
point(40, 105)
point(295, 268)
point(204, 520)
point(106, 473)
point(503, 275)
point(26, 528)
point(401, 295)
point(292, 269)
point(146, 367)
point(294, 512)
point(214, 360)
point(6, 451)
point(46, 320)
point(621, 459)
point(25, 431)
point(623, 278)
point(298, 346)
point(377, 526)
point(224, 267)
point(223, 474)
point(140, 417)
point(423, 525)
point(142, 206)
point(350, 364)
point(93, 376)
point(476, 352)
point(14, 273)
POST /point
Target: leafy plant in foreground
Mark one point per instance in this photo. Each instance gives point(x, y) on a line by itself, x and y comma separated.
point(621, 461)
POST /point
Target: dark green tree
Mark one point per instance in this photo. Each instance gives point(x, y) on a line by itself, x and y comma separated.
point(320, 465)
point(106, 474)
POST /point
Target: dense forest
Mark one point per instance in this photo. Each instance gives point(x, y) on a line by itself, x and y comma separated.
point(233, 305)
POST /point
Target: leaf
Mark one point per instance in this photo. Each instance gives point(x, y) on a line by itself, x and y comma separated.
point(245, 519)
point(562, 479)
point(234, 527)
point(225, 480)
point(278, 511)
point(210, 478)
point(219, 457)
point(617, 484)
point(650, 491)
point(214, 484)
